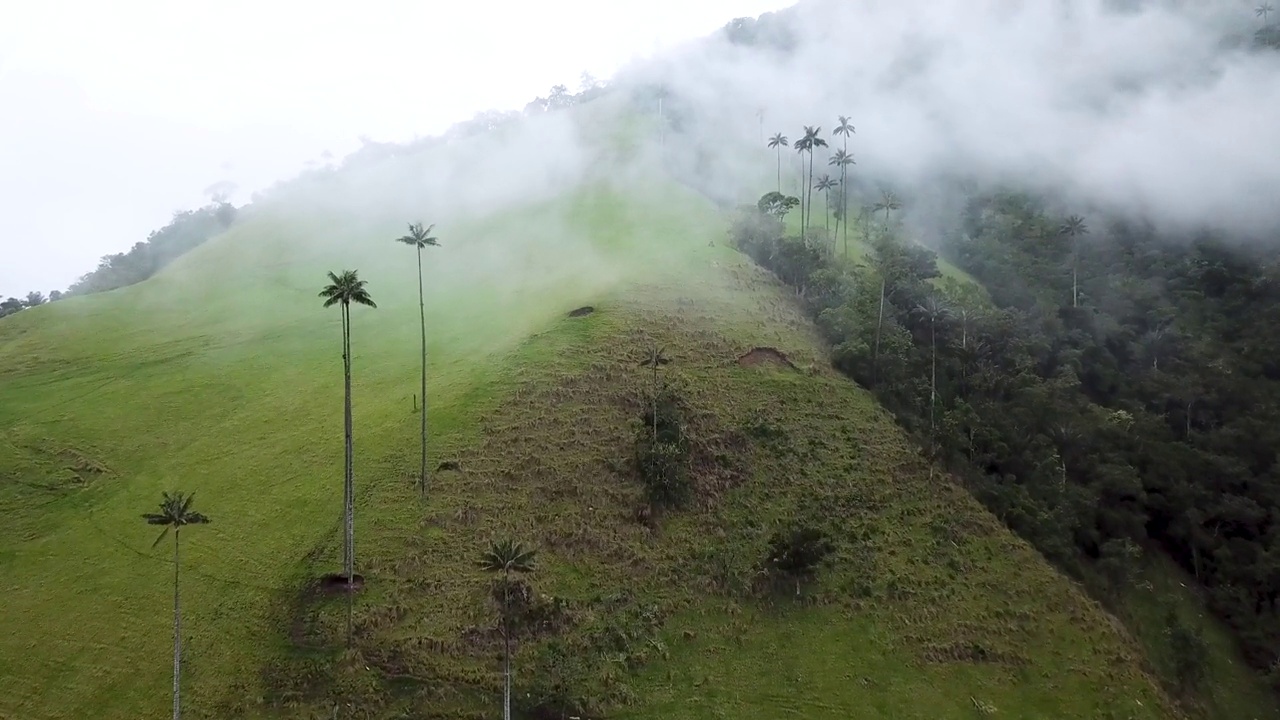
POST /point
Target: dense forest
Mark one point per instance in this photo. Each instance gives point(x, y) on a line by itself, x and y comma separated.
point(1106, 392)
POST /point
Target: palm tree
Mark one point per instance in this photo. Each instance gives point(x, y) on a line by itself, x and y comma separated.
point(933, 309)
point(1072, 228)
point(825, 183)
point(175, 512)
point(420, 238)
point(779, 141)
point(845, 129)
point(843, 160)
point(1264, 11)
point(343, 290)
point(888, 202)
point(811, 141)
point(803, 144)
point(506, 557)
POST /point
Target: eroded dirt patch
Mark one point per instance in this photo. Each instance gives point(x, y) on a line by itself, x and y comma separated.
point(337, 583)
point(758, 356)
point(582, 311)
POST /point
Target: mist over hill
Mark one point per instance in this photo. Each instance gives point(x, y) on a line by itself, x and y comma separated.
point(1159, 111)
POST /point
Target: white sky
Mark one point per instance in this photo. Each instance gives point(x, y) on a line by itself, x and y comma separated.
point(115, 114)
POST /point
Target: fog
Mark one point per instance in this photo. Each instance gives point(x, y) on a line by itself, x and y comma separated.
point(1148, 109)
point(117, 115)
point(1154, 109)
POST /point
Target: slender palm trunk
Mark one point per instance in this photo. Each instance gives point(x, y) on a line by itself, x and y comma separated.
point(177, 635)
point(933, 376)
point(422, 316)
point(655, 398)
point(779, 169)
point(844, 197)
point(875, 356)
point(506, 646)
point(810, 186)
point(801, 197)
point(350, 491)
point(826, 209)
point(1075, 287)
point(347, 560)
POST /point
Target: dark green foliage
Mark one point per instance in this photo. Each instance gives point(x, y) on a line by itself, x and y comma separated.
point(187, 230)
point(662, 452)
point(776, 204)
point(1118, 389)
point(798, 552)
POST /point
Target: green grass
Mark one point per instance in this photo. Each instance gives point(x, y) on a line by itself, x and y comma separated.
point(222, 376)
point(1229, 689)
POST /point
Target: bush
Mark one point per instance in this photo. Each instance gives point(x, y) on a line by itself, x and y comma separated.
point(798, 552)
point(662, 452)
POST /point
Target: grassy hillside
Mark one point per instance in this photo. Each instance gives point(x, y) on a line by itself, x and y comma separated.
point(221, 376)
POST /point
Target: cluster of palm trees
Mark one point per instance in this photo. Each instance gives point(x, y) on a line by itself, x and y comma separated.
point(810, 141)
point(344, 290)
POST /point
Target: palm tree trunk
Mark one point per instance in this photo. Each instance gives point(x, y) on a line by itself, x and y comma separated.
point(347, 563)
point(875, 356)
point(844, 197)
point(803, 224)
point(506, 647)
point(350, 491)
point(177, 635)
point(810, 186)
point(1075, 287)
point(933, 377)
point(826, 210)
point(422, 316)
point(779, 169)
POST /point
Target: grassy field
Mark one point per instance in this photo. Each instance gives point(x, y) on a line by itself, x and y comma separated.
point(1229, 689)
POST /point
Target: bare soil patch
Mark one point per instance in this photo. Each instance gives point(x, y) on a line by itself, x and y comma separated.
point(758, 356)
point(337, 583)
point(582, 311)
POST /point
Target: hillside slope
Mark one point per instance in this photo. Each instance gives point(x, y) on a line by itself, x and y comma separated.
point(221, 376)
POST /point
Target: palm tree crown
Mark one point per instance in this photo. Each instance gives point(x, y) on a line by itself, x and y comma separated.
point(811, 138)
point(844, 128)
point(778, 140)
point(841, 159)
point(826, 183)
point(346, 288)
point(175, 512)
point(1073, 226)
point(418, 237)
point(1263, 11)
point(507, 556)
point(888, 202)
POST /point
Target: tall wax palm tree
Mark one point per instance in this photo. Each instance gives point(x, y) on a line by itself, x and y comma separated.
point(825, 183)
point(812, 140)
point(888, 202)
point(507, 557)
point(934, 310)
point(343, 290)
point(845, 129)
point(420, 238)
point(175, 512)
point(1264, 11)
point(802, 145)
point(1072, 228)
point(779, 141)
point(843, 160)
